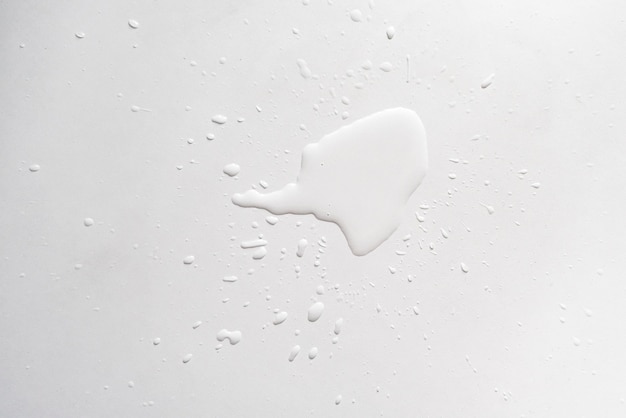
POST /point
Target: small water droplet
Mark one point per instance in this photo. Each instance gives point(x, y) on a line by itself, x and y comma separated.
point(536, 185)
point(219, 119)
point(259, 253)
point(196, 324)
point(302, 244)
point(79, 35)
point(356, 15)
point(222, 60)
point(34, 168)
point(133, 23)
point(386, 66)
point(338, 399)
point(131, 384)
point(315, 311)
point(189, 259)
point(187, 358)
point(156, 341)
point(229, 279)
point(294, 352)
point(313, 353)
point(464, 268)
point(487, 81)
point(279, 318)
point(233, 337)
point(338, 326)
point(391, 31)
point(231, 169)
point(88, 222)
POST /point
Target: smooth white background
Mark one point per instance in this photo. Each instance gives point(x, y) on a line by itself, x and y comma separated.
point(534, 329)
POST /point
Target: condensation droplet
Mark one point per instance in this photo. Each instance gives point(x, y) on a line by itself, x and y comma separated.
point(196, 324)
point(487, 81)
point(34, 168)
point(187, 358)
point(313, 353)
point(391, 31)
point(133, 23)
point(88, 222)
point(231, 169)
point(294, 352)
point(464, 268)
point(189, 259)
point(156, 341)
point(219, 119)
point(386, 66)
point(233, 337)
point(279, 318)
point(356, 15)
point(79, 35)
point(315, 311)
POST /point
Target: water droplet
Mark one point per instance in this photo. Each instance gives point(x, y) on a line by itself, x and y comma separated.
point(233, 337)
point(490, 209)
point(135, 109)
point(189, 259)
point(464, 268)
point(222, 60)
point(386, 66)
point(219, 119)
point(338, 326)
point(315, 311)
point(302, 244)
point(229, 279)
point(338, 399)
point(196, 324)
point(187, 358)
point(79, 35)
point(253, 243)
point(313, 353)
point(356, 15)
point(451, 176)
point(305, 72)
point(391, 31)
point(131, 384)
point(231, 169)
point(279, 318)
point(320, 290)
point(444, 233)
point(416, 310)
point(88, 221)
point(133, 23)
point(34, 168)
point(487, 81)
point(576, 341)
point(272, 220)
point(386, 149)
point(294, 352)
point(259, 253)
point(156, 341)
point(536, 185)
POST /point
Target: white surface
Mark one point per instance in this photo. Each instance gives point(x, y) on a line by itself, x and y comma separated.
point(97, 321)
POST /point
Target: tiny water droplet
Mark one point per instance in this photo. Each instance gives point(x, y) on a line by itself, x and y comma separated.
point(231, 169)
point(210, 136)
point(229, 279)
point(315, 311)
point(79, 35)
point(133, 23)
point(88, 222)
point(34, 168)
point(313, 353)
point(156, 341)
point(279, 318)
point(189, 259)
point(196, 324)
point(131, 384)
point(386, 66)
point(302, 244)
point(356, 15)
point(338, 399)
point(233, 337)
point(272, 220)
point(338, 326)
point(187, 358)
point(219, 119)
point(487, 81)
point(536, 185)
point(464, 268)
point(391, 31)
point(294, 352)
